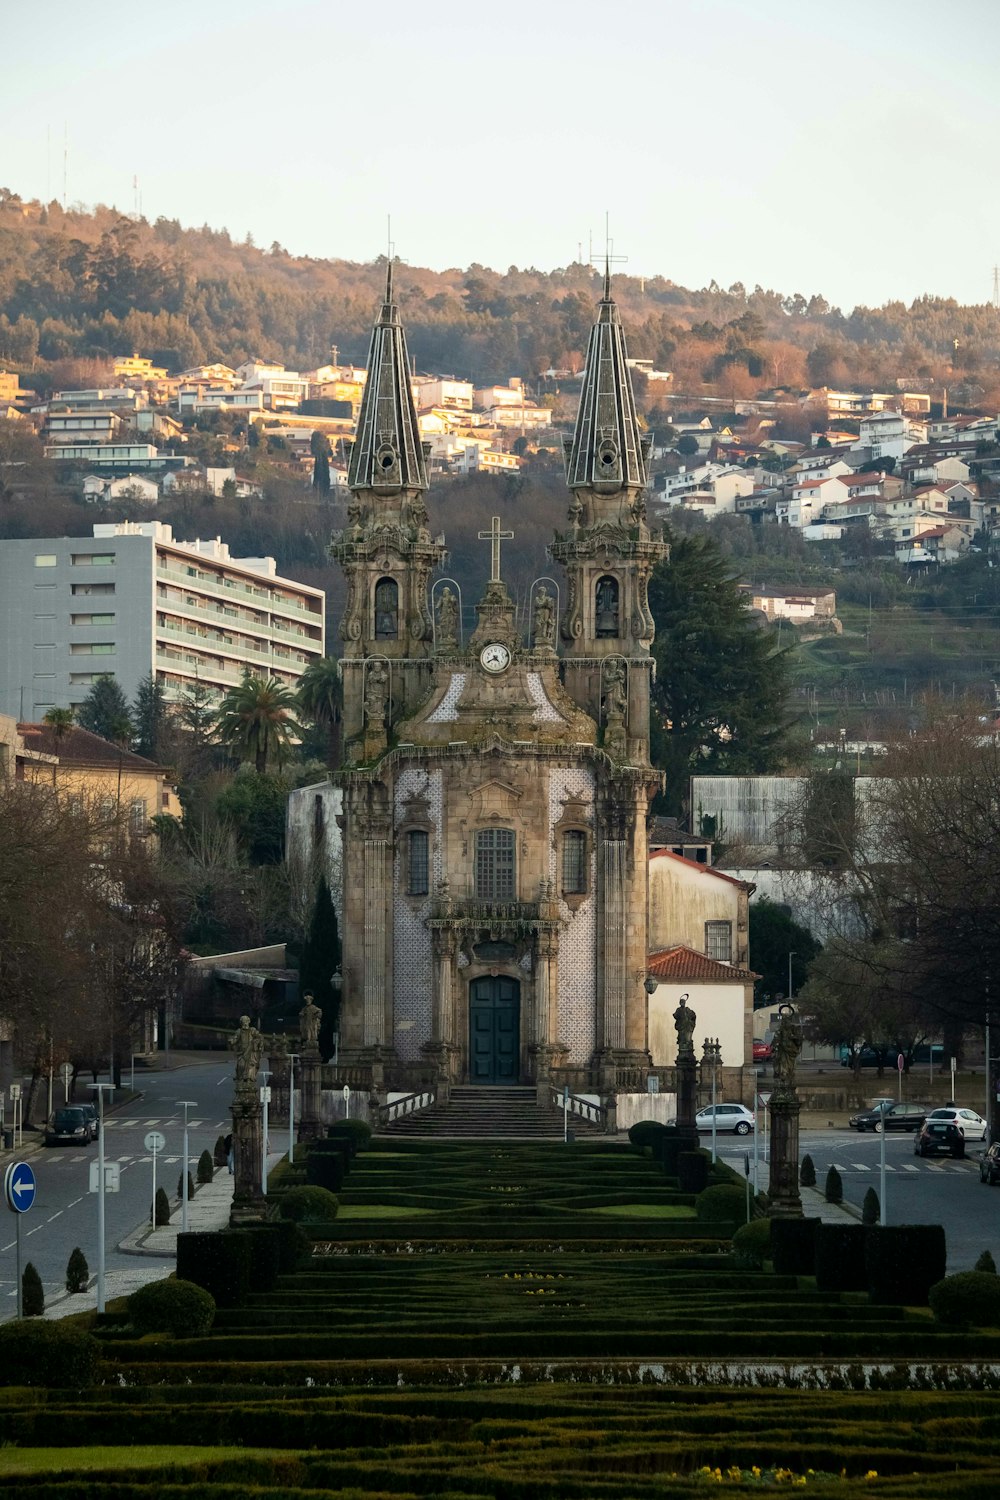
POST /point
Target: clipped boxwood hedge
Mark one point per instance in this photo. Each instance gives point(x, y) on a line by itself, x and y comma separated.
point(219, 1262)
point(325, 1169)
point(265, 1255)
point(47, 1354)
point(308, 1205)
point(793, 1246)
point(357, 1133)
point(692, 1173)
point(646, 1133)
point(723, 1204)
point(904, 1261)
point(752, 1243)
point(840, 1258)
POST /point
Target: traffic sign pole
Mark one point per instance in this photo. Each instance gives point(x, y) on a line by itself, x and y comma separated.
point(19, 1191)
point(154, 1142)
point(99, 1088)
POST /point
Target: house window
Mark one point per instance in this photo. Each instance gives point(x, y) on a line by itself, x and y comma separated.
point(719, 941)
point(417, 863)
point(386, 609)
point(574, 863)
point(46, 560)
point(138, 815)
point(606, 606)
point(495, 864)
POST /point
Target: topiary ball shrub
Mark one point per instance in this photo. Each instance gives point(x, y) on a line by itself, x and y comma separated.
point(722, 1204)
point(986, 1263)
point(793, 1246)
point(206, 1170)
point(356, 1132)
point(32, 1295)
point(305, 1205)
point(47, 1354)
point(77, 1271)
point(752, 1244)
point(176, 1307)
point(807, 1173)
point(834, 1190)
point(161, 1208)
point(871, 1209)
point(970, 1299)
point(646, 1133)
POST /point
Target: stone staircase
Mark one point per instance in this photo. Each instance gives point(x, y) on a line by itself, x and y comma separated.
point(482, 1112)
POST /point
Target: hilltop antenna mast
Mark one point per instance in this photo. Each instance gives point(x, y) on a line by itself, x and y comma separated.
point(65, 160)
point(996, 286)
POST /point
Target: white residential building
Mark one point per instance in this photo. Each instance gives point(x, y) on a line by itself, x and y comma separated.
point(435, 390)
point(129, 601)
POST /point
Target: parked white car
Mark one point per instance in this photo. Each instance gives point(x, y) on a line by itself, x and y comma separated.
point(972, 1126)
point(734, 1117)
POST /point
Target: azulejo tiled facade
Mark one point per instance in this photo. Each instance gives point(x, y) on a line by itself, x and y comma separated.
point(495, 787)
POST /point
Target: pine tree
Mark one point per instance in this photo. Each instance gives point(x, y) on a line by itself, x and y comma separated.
point(986, 1263)
point(104, 711)
point(32, 1295)
point(206, 1170)
point(320, 957)
point(149, 715)
point(720, 704)
point(319, 447)
point(180, 1187)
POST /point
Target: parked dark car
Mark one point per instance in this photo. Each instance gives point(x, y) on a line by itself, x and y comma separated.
point(989, 1165)
point(67, 1127)
point(90, 1115)
point(940, 1137)
point(890, 1117)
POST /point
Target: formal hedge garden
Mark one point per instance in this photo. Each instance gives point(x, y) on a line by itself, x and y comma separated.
point(517, 1321)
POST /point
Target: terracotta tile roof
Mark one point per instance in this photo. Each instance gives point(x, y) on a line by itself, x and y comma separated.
point(691, 864)
point(78, 747)
point(685, 965)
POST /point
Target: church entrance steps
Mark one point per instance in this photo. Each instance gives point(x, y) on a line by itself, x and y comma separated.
point(489, 1112)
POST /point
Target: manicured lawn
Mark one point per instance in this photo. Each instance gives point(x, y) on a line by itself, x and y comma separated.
point(151, 1456)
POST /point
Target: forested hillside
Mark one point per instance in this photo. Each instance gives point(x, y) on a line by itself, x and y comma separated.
point(87, 284)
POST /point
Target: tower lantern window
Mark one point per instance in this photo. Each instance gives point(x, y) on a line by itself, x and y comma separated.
point(386, 609)
point(606, 607)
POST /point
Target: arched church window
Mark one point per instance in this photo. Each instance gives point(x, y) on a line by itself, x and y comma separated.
point(574, 863)
point(386, 609)
point(495, 864)
point(417, 862)
point(606, 606)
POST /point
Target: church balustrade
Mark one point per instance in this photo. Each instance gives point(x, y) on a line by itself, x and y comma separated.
point(584, 1109)
point(407, 1106)
point(486, 913)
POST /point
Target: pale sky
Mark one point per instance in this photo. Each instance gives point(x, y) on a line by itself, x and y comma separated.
point(848, 149)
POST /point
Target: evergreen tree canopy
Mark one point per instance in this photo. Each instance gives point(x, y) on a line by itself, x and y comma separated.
point(320, 699)
point(149, 715)
point(320, 957)
point(774, 936)
point(720, 698)
point(105, 711)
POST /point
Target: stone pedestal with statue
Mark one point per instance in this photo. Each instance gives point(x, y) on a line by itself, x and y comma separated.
point(784, 1199)
point(250, 1206)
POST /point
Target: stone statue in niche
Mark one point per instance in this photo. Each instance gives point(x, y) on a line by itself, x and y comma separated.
point(376, 691)
point(447, 619)
point(544, 628)
point(615, 701)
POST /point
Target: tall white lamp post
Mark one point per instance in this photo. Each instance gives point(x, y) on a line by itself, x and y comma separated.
point(185, 1104)
point(293, 1058)
point(100, 1089)
point(265, 1099)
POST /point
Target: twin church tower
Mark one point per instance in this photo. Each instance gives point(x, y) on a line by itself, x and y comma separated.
point(496, 788)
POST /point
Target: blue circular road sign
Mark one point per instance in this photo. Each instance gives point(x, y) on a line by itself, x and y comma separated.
point(19, 1187)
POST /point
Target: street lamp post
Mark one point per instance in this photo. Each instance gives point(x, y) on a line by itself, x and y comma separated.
point(100, 1089)
point(293, 1058)
point(336, 985)
point(265, 1099)
point(790, 957)
point(185, 1104)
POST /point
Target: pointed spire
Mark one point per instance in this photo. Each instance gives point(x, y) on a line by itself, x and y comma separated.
point(607, 453)
point(387, 456)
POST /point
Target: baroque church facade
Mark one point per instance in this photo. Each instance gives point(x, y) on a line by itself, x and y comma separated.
point(496, 788)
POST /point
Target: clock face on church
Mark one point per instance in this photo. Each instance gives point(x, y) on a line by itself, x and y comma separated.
point(495, 657)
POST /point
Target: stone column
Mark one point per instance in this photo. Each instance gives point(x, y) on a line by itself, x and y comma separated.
point(310, 1126)
point(783, 1194)
point(249, 1204)
point(375, 977)
point(613, 858)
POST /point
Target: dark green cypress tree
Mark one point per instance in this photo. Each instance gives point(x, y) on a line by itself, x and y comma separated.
point(720, 704)
point(104, 711)
point(149, 715)
point(320, 957)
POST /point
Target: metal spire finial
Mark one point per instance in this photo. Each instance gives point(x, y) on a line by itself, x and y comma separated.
point(389, 247)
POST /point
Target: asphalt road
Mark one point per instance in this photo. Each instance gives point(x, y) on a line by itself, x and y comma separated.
point(931, 1190)
point(64, 1213)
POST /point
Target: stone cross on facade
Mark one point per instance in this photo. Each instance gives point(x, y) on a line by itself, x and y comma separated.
point(496, 536)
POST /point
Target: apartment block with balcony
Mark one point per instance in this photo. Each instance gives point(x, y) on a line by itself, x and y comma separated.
point(131, 600)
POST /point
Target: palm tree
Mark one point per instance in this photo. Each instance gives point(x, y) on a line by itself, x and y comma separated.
point(255, 721)
point(60, 720)
point(320, 699)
